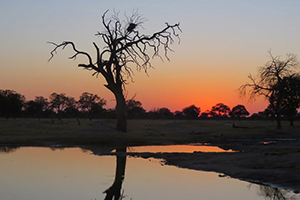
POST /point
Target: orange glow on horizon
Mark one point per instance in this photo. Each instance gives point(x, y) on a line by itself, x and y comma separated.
point(161, 89)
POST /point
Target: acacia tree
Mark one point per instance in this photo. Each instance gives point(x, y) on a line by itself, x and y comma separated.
point(43, 103)
point(58, 103)
point(135, 109)
point(37, 106)
point(290, 97)
point(71, 106)
point(11, 103)
point(220, 110)
point(90, 102)
point(123, 45)
point(238, 111)
point(269, 82)
point(165, 113)
point(191, 112)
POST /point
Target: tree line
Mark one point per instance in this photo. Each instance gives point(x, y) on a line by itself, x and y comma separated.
point(14, 104)
point(91, 106)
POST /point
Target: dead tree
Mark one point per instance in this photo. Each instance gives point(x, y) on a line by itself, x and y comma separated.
point(269, 82)
point(124, 47)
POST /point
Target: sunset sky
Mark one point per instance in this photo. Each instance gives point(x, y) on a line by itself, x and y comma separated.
point(222, 42)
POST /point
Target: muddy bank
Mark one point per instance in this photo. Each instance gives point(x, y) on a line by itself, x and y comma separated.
point(276, 164)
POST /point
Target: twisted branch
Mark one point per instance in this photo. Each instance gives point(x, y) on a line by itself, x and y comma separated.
point(63, 45)
point(270, 77)
point(124, 45)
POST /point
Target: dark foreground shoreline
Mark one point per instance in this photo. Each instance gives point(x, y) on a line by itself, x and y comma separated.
point(276, 165)
point(233, 165)
point(274, 161)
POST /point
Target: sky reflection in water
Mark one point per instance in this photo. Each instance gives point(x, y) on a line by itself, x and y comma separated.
point(71, 174)
point(176, 149)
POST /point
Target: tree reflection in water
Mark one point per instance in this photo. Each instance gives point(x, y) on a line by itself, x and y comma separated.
point(271, 193)
point(114, 192)
point(8, 149)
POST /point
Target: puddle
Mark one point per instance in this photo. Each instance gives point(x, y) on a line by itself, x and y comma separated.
point(177, 149)
point(275, 140)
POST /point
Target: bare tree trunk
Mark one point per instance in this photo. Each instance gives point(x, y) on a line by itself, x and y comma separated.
point(278, 111)
point(59, 114)
point(291, 120)
point(90, 115)
point(121, 112)
point(116, 89)
point(278, 120)
point(76, 116)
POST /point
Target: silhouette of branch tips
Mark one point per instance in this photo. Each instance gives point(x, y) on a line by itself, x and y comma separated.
point(124, 45)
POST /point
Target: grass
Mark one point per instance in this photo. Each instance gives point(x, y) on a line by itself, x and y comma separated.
point(101, 131)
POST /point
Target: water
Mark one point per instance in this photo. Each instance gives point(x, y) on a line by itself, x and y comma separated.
point(73, 174)
point(177, 149)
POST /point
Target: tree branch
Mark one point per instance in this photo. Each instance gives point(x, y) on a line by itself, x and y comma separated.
point(63, 45)
point(124, 45)
point(156, 36)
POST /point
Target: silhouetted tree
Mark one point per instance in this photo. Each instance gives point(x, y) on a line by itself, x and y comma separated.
point(135, 109)
point(43, 104)
point(270, 193)
point(58, 103)
point(165, 113)
point(255, 116)
point(191, 112)
point(8, 149)
point(220, 110)
point(153, 113)
point(178, 114)
point(205, 115)
point(71, 108)
point(36, 107)
point(31, 108)
point(290, 97)
point(268, 113)
point(110, 113)
point(124, 44)
point(238, 111)
point(269, 82)
point(91, 103)
point(11, 103)
point(97, 109)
